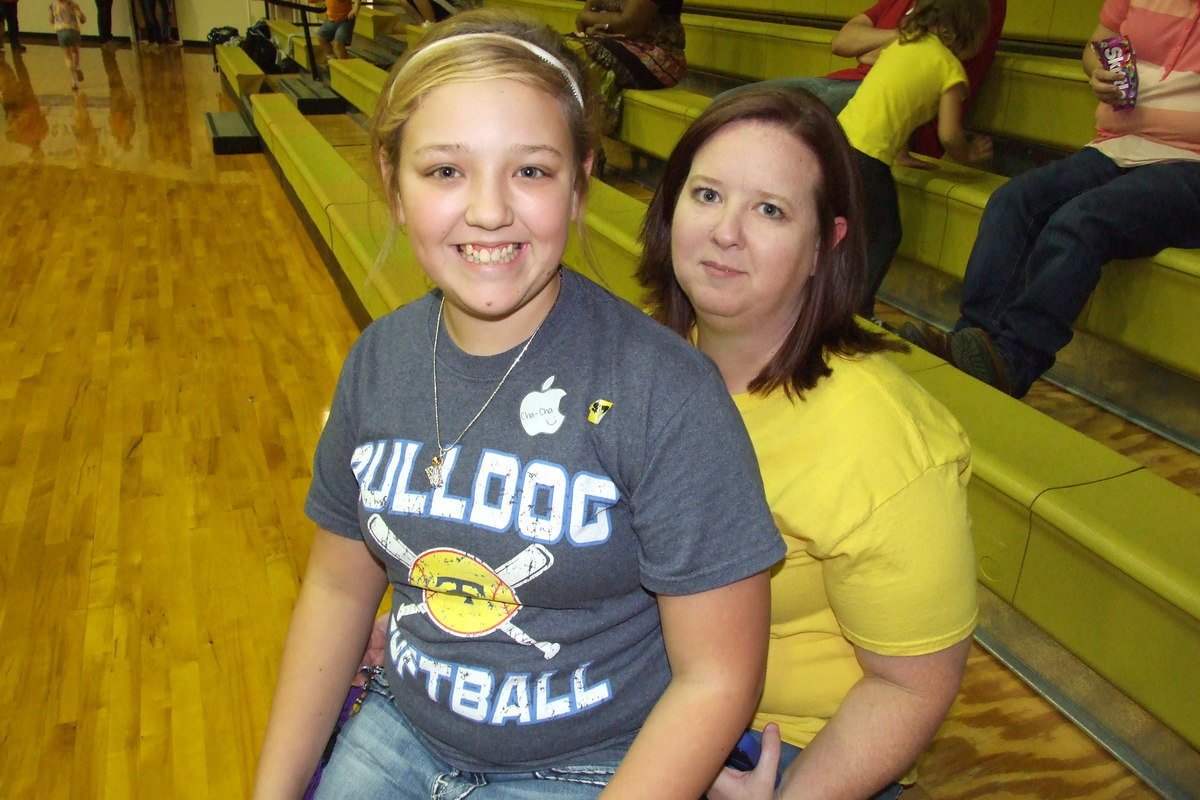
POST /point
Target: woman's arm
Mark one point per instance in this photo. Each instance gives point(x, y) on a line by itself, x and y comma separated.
point(950, 129)
point(881, 727)
point(889, 716)
point(631, 22)
point(340, 593)
point(717, 645)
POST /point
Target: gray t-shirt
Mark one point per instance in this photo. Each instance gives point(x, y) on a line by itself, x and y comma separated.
point(611, 465)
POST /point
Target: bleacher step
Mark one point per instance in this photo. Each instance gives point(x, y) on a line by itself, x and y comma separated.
point(310, 96)
point(372, 55)
point(230, 133)
point(396, 45)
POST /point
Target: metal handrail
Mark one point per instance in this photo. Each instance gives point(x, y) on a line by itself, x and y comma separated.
point(304, 9)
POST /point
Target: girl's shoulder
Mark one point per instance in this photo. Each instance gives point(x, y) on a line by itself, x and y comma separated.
point(626, 333)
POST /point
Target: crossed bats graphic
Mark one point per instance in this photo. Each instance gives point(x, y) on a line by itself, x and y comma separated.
point(517, 571)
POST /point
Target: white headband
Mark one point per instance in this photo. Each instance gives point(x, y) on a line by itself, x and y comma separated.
point(533, 48)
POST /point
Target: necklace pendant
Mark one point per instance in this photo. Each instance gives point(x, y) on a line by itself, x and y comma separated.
point(434, 472)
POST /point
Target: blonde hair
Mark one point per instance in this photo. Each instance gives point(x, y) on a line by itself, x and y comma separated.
point(480, 58)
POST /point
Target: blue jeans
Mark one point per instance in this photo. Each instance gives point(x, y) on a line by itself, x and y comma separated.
point(1046, 234)
point(790, 751)
point(832, 92)
point(380, 756)
point(336, 31)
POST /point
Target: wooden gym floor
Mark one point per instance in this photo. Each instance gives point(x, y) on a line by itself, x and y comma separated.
point(170, 343)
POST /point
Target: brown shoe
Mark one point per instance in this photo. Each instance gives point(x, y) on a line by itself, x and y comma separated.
point(972, 351)
point(926, 337)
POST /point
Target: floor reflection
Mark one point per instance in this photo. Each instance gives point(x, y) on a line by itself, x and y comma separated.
point(140, 110)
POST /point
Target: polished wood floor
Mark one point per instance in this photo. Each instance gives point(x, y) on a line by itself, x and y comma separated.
point(170, 342)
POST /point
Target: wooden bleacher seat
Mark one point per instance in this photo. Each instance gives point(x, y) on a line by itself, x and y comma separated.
point(312, 167)
point(1020, 89)
point(373, 22)
point(361, 231)
point(358, 81)
point(1086, 543)
point(289, 40)
point(1058, 21)
point(1111, 572)
point(243, 76)
point(1052, 21)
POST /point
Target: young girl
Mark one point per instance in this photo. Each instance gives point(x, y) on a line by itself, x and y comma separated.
point(914, 79)
point(558, 489)
point(66, 16)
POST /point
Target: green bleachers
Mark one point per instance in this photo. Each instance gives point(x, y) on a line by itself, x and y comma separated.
point(289, 40)
point(1083, 541)
point(372, 22)
point(1055, 21)
point(1042, 493)
point(941, 209)
point(1019, 93)
point(357, 81)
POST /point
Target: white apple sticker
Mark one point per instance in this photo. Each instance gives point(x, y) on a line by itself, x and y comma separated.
point(539, 410)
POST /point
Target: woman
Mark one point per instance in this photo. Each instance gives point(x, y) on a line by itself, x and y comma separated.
point(753, 251)
point(630, 44)
point(558, 491)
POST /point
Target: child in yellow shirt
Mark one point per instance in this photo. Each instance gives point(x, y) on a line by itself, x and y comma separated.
point(914, 79)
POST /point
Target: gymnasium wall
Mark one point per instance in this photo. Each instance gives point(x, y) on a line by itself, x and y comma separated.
point(196, 17)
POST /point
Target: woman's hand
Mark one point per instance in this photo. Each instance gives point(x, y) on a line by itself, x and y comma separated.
point(758, 783)
point(373, 656)
point(1104, 86)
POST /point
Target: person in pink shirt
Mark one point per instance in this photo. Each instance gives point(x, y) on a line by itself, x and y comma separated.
point(1047, 233)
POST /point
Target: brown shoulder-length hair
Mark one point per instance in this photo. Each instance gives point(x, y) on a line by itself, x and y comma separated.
point(960, 24)
point(825, 325)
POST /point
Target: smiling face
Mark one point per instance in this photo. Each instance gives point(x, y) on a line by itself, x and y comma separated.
point(744, 236)
point(487, 194)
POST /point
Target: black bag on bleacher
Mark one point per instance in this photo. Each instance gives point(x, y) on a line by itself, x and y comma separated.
point(222, 34)
point(261, 49)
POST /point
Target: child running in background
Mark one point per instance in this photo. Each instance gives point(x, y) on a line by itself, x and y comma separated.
point(66, 16)
point(338, 31)
point(916, 78)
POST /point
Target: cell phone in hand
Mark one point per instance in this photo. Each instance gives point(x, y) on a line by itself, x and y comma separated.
point(745, 754)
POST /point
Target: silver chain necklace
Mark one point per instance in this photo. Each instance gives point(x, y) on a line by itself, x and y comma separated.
point(436, 471)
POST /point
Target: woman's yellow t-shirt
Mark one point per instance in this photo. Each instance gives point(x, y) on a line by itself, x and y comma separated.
point(866, 478)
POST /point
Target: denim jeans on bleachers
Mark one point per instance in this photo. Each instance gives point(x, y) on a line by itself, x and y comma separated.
point(832, 92)
point(379, 755)
point(1046, 234)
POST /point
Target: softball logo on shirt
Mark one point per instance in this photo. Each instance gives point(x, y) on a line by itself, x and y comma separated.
point(462, 595)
